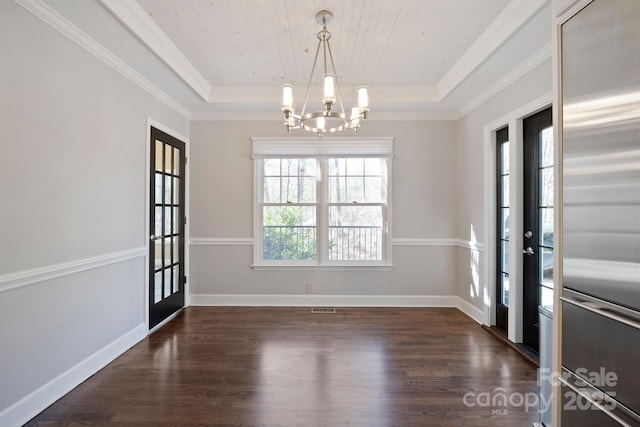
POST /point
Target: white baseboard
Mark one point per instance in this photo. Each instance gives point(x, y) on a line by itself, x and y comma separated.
point(324, 300)
point(31, 405)
point(338, 301)
point(470, 310)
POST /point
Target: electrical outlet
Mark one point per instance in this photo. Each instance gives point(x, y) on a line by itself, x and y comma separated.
point(309, 288)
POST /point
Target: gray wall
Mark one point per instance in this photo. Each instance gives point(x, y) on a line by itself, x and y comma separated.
point(424, 207)
point(470, 179)
point(72, 187)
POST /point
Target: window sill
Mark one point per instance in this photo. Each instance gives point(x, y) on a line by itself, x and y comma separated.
point(349, 267)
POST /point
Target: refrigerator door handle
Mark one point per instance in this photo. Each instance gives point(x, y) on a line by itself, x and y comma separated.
point(603, 309)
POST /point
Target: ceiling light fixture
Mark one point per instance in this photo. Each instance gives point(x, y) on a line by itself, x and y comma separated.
point(327, 120)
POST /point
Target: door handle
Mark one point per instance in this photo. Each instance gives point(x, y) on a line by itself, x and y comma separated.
point(528, 251)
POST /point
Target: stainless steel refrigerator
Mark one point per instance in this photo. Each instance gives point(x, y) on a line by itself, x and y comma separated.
point(600, 295)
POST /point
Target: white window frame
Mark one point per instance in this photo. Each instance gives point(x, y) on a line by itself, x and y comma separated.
point(321, 149)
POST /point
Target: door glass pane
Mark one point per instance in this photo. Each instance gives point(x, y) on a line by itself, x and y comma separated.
point(159, 150)
point(546, 267)
point(168, 158)
point(157, 246)
point(546, 186)
point(176, 220)
point(167, 190)
point(505, 190)
point(505, 255)
point(175, 249)
point(176, 278)
point(158, 222)
point(167, 252)
point(158, 188)
point(505, 224)
point(157, 290)
point(176, 161)
point(167, 221)
point(505, 158)
point(546, 147)
point(546, 296)
point(167, 281)
point(176, 191)
point(505, 289)
point(546, 227)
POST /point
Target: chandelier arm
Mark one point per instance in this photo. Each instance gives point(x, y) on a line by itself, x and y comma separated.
point(324, 47)
point(335, 74)
point(306, 96)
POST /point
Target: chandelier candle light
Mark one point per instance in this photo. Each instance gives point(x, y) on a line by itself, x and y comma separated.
point(327, 120)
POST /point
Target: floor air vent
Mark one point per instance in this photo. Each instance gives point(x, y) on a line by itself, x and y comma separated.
point(323, 310)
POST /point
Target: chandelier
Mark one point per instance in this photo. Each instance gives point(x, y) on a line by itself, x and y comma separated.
point(327, 120)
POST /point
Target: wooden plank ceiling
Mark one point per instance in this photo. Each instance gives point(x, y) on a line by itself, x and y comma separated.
point(375, 42)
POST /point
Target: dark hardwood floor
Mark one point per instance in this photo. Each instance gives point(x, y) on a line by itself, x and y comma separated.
point(245, 366)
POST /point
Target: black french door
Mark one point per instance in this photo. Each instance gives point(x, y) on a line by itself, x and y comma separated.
point(538, 208)
point(167, 219)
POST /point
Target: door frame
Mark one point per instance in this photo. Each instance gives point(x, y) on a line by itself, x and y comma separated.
point(147, 212)
point(514, 121)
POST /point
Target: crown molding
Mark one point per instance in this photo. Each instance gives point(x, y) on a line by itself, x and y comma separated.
point(509, 78)
point(510, 20)
point(373, 117)
point(59, 23)
point(136, 19)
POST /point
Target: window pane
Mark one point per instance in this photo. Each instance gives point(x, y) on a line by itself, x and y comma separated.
point(546, 226)
point(373, 167)
point(355, 189)
point(289, 167)
point(373, 190)
point(546, 187)
point(355, 166)
point(289, 233)
point(546, 267)
point(546, 147)
point(337, 167)
point(271, 167)
point(337, 189)
point(272, 190)
point(307, 167)
point(355, 233)
point(505, 158)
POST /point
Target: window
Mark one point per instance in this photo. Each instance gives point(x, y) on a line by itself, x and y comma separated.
point(322, 202)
